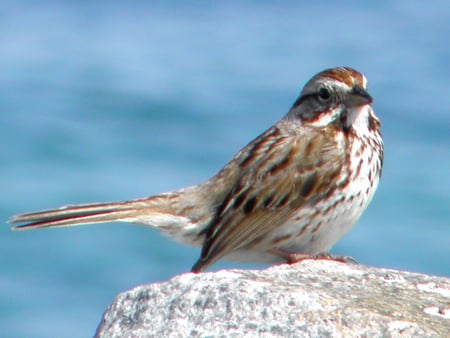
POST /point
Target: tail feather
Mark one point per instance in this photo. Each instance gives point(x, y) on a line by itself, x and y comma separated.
point(75, 215)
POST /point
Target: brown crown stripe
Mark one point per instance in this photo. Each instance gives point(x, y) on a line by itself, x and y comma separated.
point(345, 75)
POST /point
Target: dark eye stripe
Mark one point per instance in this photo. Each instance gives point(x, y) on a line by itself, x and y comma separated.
point(304, 98)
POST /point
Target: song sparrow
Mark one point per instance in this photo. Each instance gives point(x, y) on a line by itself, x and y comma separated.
point(289, 194)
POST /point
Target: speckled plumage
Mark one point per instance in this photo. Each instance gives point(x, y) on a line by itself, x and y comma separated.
point(297, 188)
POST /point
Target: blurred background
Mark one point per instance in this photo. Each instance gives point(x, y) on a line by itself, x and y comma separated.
point(103, 101)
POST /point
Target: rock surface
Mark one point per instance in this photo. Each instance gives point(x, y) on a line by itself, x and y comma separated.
point(309, 299)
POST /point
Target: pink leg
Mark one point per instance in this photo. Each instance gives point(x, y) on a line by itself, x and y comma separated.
point(294, 257)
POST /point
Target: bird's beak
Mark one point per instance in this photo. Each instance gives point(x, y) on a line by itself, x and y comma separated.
point(358, 96)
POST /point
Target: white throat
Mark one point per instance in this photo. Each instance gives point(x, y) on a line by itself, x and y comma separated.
point(358, 118)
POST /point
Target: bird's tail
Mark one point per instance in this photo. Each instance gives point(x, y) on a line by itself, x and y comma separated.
point(79, 214)
point(174, 213)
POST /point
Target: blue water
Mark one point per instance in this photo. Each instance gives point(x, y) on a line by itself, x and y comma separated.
point(103, 101)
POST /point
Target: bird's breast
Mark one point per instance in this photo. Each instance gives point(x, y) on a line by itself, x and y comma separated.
point(317, 225)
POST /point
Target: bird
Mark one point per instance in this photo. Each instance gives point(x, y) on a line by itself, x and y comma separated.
point(289, 195)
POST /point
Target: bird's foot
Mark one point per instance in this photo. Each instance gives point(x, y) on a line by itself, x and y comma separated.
point(295, 257)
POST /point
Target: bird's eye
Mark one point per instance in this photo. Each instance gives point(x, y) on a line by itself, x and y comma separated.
point(324, 94)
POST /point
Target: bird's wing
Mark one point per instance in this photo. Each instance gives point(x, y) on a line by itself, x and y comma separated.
point(276, 175)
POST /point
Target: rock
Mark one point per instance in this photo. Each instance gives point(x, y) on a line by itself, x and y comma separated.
point(310, 299)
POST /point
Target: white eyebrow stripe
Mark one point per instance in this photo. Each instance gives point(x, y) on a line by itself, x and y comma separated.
point(335, 83)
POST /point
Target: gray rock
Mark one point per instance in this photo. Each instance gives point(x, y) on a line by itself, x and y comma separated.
point(310, 299)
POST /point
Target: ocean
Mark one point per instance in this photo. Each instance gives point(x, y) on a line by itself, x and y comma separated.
point(105, 101)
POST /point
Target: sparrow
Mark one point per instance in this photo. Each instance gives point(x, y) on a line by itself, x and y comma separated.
point(288, 195)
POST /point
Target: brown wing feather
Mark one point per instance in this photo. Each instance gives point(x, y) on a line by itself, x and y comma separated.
point(271, 187)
